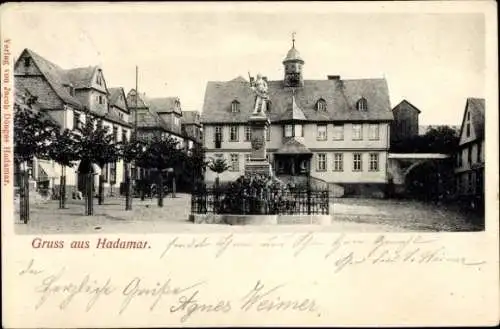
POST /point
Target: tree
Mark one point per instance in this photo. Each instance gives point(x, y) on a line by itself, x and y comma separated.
point(95, 145)
point(130, 150)
point(33, 132)
point(442, 139)
point(161, 154)
point(196, 164)
point(62, 151)
point(218, 166)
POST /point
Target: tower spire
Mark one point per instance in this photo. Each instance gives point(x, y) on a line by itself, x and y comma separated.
point(293, 39)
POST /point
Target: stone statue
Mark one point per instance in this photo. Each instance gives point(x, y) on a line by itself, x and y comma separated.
point(260, 89)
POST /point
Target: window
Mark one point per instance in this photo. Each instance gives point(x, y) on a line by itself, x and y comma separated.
point(321, 105)
point(76, 120)
point(288, 131)
point(356, 162)
point(268, 133)
point(338, 132)
point(299, 131)
point(235, 106)
point(321, 165)
point(248, 133)
point(112, 172)
point(233, 134)
point(467, 128)
point(469, 155)
point(99, 80)
point(124, 136)
point(362, 104)
point(100, 99)
point(357, 132)
point(479, 159)
point(26, 62)
point(321, 132)
point(218, 137)
point(468, 116)
point(374, 162)
point(247, 157)
point(374, 132)
point(115, 134)
point(235, 163)
point(338, 162)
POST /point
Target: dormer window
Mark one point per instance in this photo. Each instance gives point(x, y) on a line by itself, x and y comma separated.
point(321, 105)
point(235, 106)
point(26, 61)
point(99, 80)
point(362, 104)
point(268, 106)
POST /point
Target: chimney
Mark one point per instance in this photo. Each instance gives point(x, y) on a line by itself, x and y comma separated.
point(333, 77)
point(265, 79)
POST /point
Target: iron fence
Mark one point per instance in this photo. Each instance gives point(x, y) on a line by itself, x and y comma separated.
point(260, 201)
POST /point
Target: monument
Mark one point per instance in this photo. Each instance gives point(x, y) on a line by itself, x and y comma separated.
point(259, 123)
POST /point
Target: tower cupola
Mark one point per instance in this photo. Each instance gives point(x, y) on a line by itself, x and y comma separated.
point(293, 67)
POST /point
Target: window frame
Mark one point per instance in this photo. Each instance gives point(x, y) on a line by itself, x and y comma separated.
point(341, 126)
point(233, 169)
point(321, 159)
point(321, 137)
point(360, 125)
point(248, 133)
point(355, 161)
point(235, 106)
point(338, 162)
point(374, 137)
point(234, 128)
point(292, 130)
point(374, 162)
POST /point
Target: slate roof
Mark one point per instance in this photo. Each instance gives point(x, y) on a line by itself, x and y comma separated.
point(81, 77)
point(293, 55)
point(140, 100)
point(56, 77)
point(114, 98)
point(293, 146)
point(164, 105)
point(340, 97)
point(20, 98)
point(405, 102)
point(476, 107)
point(293, 112)
point(191, 117)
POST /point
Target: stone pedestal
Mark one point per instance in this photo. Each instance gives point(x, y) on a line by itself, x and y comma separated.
point(258, 163)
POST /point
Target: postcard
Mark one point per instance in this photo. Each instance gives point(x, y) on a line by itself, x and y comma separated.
point(249, 163)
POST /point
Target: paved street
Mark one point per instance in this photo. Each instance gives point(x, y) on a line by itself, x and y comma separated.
point(350, 215)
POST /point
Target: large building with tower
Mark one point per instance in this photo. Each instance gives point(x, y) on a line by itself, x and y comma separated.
point(338, 130)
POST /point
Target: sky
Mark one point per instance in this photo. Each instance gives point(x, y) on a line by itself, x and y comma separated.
point(433, 60)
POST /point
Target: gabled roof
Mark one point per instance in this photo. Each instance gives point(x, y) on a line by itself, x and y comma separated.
point(293, 146)
point(165, 105)
point(55, 76)
point(140, 100)
point(293, 112)
point(408, 105)
point(191, 117)
point(476, 107)
point(81, 77)
point(114, 98)
point(340, 97)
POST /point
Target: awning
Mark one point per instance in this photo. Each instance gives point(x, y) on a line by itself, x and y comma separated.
point(293, 146)
point(45, 171)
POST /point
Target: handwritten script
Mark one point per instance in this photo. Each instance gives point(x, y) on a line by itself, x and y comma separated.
point(188, 298)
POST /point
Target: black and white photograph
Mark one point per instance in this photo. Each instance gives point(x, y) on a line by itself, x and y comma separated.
point(249, 163)
point(354, 122)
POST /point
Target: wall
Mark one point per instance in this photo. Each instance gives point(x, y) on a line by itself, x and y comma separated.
point(405, 122)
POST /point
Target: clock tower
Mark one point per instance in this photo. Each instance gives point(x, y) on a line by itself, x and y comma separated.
point(293, 67)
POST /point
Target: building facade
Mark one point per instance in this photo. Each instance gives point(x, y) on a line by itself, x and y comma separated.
point(470, 156)
point(336, 129)
point(65, 95)
point(405, 123)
